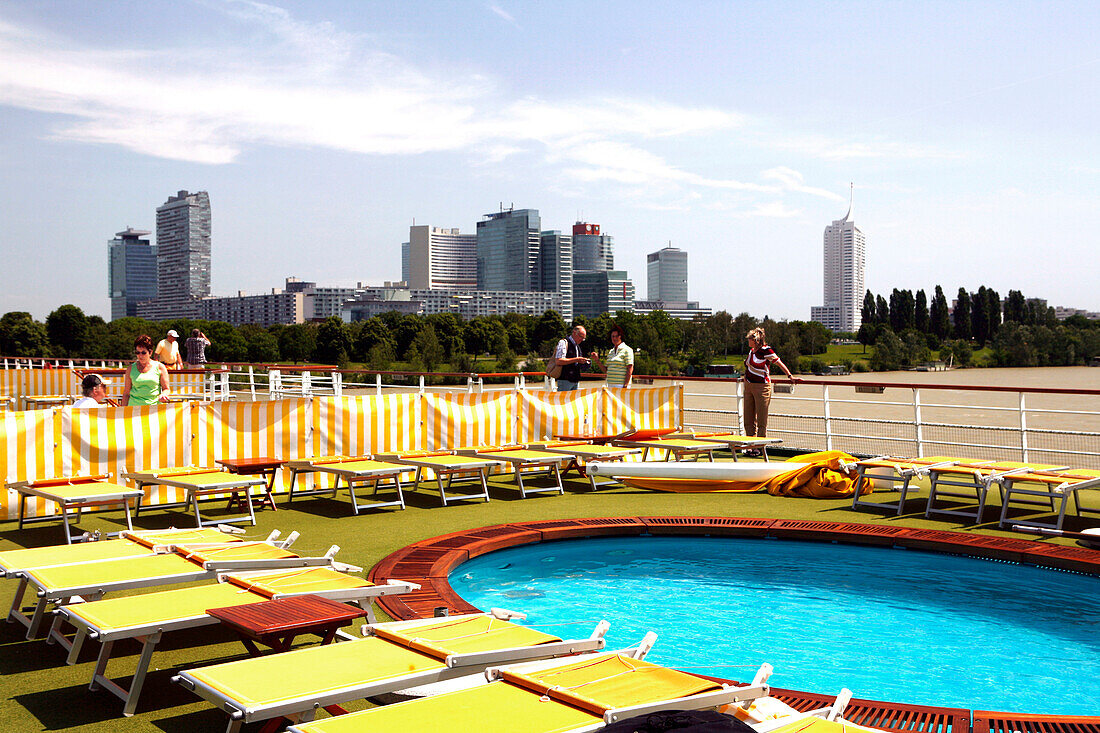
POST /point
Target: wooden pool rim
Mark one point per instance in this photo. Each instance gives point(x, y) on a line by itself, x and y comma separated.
point(430, 561)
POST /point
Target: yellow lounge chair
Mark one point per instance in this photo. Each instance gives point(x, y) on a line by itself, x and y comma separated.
point(200, 482)
point(1053, 489)
point(450, 464)
point(62, 584)
point(522, 458)
point(977, 478)
point(674, 448)
point(77, 564)
point(356, 471)
point(149, 616)
point(75, 492)
point(731, 441)
point(548, 697)
point(581, 452)
point(399, 655)
point(897, 474)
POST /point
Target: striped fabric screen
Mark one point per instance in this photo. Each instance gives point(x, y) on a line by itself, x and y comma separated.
point(50, 443)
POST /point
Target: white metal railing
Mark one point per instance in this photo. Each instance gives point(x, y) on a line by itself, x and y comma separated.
point(817, 416)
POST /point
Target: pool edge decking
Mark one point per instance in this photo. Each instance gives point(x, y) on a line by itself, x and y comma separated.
point(430, 561)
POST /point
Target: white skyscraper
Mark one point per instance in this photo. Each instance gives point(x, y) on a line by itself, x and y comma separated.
point(441, 258)
point(845, 260)
point(668, 275)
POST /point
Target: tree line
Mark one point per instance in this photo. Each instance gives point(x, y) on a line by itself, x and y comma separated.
point(906, 329)
point(438, 342)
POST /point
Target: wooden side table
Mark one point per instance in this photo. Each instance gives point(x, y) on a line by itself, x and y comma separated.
point(263, 466)
point(276, 623)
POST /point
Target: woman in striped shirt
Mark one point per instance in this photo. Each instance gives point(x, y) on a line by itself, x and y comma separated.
point(620, 361)
point(758, 382)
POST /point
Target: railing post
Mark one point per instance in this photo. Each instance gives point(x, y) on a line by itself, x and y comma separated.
point(1023, 427)
point(741, 406)
point(917, 423)
point(274, 384)
point(480, 385)
point(828, 418)
point(252, 382)
point(337, 384)
point(421, 384)
point(378, 384)
point(307, 384)
point(469, 384)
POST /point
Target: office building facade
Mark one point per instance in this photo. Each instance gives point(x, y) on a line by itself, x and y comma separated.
point(183, 254)
point(845, 260)
point(508, 250)
point(267, 309)
point(556, 268)
point(667, 274)
point(602, 291)
point(441, 259)
point(131, 271)
point(591, 249)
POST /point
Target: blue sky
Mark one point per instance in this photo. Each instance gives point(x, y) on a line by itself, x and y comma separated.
point(322, 130)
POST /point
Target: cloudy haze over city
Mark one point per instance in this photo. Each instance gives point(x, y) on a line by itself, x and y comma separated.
point(322, 130)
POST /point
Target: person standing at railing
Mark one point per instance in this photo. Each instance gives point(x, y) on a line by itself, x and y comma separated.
point(758, 383)
point(146, 380)
point(620, 361)
point(196, 348)
point(168, 351)
point(569, 354)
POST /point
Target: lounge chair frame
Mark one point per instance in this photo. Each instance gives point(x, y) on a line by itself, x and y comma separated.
point(733, 443)
point(674, 448)
point(902, 473)
point(234, 484)
point(98, 492)
point(455, 665)
point(151, 635)
point(353, 478)
point(470, 471)
point(584, 451)
point(1053, 494)
point(977, 478)
point(520, 459)
point(95, 591)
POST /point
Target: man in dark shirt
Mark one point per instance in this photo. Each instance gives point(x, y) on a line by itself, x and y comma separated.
point(569, 354)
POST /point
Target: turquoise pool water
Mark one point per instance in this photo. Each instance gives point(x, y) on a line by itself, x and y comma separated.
point(890, 624)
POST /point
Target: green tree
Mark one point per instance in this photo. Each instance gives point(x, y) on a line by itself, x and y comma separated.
point(260, 344)
point(21, 335)
point(867, 313)
point(939, 315)
point(921, 320)
point(67, 329)
point(427, 348)
point(961, 315)
point(333, 342)
point(549, 326)
point(1015, 307)
point(448, 329)
point(902, 307)
point(297, 342)
point(868, 334)
point(889, 352)
point(882, 311)
point(373, 332)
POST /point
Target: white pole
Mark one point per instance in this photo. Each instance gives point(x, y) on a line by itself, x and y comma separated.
point(917, 423)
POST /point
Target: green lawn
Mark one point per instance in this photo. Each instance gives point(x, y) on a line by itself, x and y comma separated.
point(39, 692)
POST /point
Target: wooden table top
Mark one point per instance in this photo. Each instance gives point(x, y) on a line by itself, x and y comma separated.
point(285, 615)
point(251, 465)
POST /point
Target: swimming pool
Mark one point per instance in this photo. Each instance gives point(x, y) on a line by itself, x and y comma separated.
point(890, 624)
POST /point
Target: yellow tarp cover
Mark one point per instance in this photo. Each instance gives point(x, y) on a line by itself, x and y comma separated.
point(312, 671)
point(493, 708)
point(610, 681)
point(822, 479)
point(161, 607)
point(315, 671)
point(304, 580)
point(463, 636)
point(36, 557)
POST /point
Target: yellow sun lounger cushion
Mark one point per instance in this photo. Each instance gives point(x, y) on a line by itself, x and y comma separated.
point(295, 582)
point(161, 607)
point(317, 671)
point(160, 538)
point(497, 707)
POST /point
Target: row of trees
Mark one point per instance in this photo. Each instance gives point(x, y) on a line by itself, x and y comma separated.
point(904, 331)
point(664, 345)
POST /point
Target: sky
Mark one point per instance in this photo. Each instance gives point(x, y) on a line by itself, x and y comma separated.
point(732, 130)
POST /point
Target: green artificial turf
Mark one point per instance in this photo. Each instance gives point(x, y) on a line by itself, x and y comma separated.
point(39, 692)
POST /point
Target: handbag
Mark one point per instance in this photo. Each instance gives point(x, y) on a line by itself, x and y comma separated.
point(553, 368)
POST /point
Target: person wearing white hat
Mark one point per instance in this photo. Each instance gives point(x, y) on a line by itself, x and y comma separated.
point(95, 392)
point(168, 351)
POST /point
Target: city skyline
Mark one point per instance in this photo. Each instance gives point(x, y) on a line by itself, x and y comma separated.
point(323, 130)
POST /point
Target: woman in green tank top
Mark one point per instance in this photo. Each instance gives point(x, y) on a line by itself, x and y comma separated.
point(146, 381)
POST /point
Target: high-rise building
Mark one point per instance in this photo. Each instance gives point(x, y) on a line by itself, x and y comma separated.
point(405, 261)
point(131, 271)
point(183, 254)
point(441, 259)
point(845, 260)
point(556, 268)
point(592, 250)
point(508, 250)
point(667, 271)
point(602, 291)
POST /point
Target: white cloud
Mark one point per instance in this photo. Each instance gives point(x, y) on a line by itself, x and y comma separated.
point(501, 12)
point(792, 180)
